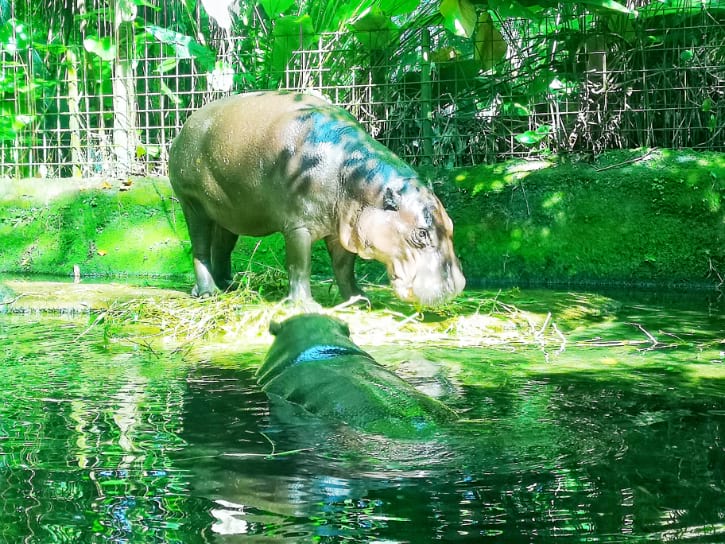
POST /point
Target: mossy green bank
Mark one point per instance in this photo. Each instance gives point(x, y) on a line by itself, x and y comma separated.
point(629, 218)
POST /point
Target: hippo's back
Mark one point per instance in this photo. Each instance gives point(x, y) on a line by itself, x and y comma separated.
point(236, 132)
point(250, 161)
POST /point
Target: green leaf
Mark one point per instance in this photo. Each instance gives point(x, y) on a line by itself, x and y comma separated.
point(185, 46)
point(103, 47)
point(14, 36)
point(515, 108)
point(290, 33)
point(707, 105)
point(398, 7)
point(171, 95)
point(712, 124)
point(687, 55)
point(608, 5)
point(533, 137)
point(459, 16)
point(167, 65)
point(375, 30)
point(275, 8)
point(12, 123)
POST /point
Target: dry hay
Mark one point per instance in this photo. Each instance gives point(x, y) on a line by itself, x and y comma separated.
point(243, 317)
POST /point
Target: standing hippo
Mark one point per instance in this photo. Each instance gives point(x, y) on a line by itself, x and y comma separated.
point(315, 365)
point(266, 162)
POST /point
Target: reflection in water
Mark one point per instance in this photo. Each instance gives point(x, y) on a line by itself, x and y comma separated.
point(102, 443)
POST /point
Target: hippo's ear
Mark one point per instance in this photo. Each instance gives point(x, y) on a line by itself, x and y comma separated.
point(391, 200)
point(274, 328)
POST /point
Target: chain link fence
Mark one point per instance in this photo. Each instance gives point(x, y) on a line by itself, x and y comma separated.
point(517, 89)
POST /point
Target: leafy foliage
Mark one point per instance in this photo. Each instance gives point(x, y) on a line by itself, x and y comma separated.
point(507, 67)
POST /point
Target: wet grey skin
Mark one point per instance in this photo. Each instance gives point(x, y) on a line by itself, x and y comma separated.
point(259, 163)
point(314, 365)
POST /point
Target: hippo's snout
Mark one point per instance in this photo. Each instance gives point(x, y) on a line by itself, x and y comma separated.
point(429, 279)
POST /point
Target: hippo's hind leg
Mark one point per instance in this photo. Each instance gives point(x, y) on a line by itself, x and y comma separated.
point(201, 230)
point(343, 266)
point(222, 245)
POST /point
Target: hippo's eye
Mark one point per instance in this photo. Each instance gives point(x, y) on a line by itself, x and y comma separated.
point(420, 238)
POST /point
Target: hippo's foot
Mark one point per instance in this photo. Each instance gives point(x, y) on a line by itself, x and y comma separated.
point(197, 292)
point(303, 305)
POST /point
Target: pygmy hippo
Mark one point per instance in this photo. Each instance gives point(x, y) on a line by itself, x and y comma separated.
point(315, 365)
point(265, 162)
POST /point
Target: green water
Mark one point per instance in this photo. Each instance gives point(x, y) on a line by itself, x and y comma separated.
point(608, 437)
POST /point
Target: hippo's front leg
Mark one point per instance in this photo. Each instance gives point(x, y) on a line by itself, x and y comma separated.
point(343, 266)
point(298, 243)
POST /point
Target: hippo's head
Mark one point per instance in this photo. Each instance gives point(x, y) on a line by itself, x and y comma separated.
point(406, 228)
point(304, 338)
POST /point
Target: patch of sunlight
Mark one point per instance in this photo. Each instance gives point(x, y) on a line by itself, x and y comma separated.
point(712, 200)
point(685, 158)
point(515, 177)
point(693, 178)
point(545, 232)
point(516, 238)
point(529, 166)
point(554, 200)
point(495, 185)
point(136, 242)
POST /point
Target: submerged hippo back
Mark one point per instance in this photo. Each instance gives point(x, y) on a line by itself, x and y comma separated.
point(314, 365)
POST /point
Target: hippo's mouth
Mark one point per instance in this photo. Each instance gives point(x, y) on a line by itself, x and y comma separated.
point(403, 288)
point(415, 290)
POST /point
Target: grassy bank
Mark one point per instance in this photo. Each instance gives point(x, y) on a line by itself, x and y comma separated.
point(629, 218)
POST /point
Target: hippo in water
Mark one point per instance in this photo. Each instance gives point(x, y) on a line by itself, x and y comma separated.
point(314, 365)
point(265, 162)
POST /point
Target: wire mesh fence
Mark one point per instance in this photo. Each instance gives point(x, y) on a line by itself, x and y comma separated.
point(562, 83)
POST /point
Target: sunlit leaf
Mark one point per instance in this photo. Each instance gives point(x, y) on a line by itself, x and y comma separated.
point(185, 46)
point(459, 16)
point(712, 124)
point(167, 65)
point(609, 5)
point(291, 33)
point(171, 95)
point(125, 11)
point(489, 43)
point(14, 36)
point(515, 108)
point(12, 123)
point(398, 7)
point(687, 55)
point(275, 8)
point(103, 47)
point(375, 30)
point(533, 137)
point(222, 77)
